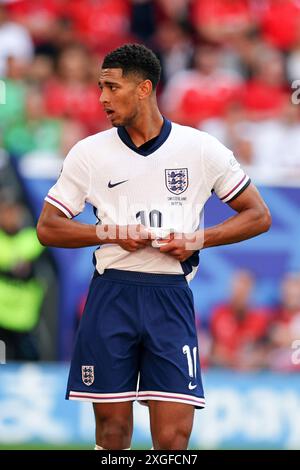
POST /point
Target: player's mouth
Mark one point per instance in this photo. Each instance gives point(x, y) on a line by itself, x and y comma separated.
point(109, 113)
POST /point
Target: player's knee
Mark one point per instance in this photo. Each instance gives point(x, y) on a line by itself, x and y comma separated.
point(115, 433)
point(173, 438)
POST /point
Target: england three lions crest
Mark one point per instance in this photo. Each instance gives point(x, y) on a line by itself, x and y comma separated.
point(87, 374)
point(177, 180)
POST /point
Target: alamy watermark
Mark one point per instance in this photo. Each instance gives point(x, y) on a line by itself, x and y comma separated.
point(150, 222)
point(295, 98)
point(2, 352)
point(295, 358)
point(2, 92)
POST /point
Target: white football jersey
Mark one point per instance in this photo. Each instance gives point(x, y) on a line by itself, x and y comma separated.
point(164, 183)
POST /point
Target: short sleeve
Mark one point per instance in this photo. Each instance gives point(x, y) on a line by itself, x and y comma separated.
point(70, 192)
point(224, 174)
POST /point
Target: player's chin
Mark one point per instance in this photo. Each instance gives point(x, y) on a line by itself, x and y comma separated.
point(117, 121)
point(114, 120)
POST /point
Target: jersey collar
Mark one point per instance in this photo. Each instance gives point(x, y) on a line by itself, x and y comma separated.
point(151, 145)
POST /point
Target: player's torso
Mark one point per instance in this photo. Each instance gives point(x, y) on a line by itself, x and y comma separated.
point(164, 189)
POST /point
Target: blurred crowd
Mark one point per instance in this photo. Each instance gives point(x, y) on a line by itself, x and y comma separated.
point(245, 336)
point(230, 68)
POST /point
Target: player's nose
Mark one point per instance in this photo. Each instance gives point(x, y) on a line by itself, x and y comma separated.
point(104, 97)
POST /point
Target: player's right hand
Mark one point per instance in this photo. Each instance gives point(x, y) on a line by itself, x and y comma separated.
point(133, 237)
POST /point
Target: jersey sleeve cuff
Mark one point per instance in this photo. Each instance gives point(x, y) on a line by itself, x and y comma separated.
point(55, 202)
point(237, 189)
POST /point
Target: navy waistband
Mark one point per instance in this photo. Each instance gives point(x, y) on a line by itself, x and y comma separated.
point(142, 278)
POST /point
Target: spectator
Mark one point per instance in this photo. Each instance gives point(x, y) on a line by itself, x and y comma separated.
point(266, 93)
point(275, 143)
point(35, 131)
point(14, 41)
point(38, 17)
point(222, 20)
point(265, 144)
point(175, 48)
point(143, 22)
point(21, 293)
point(72, 94)
point(177, 10)
point(100, 25)
point(239, 329)
point(286, 327)
point(280, 22)
point(41, 71)
point(293, 60)
point(232, 131)
point(194, 95)
point(15, 94)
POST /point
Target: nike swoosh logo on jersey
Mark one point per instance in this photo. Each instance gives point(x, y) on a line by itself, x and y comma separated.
point(112, 185)
point(191, 387)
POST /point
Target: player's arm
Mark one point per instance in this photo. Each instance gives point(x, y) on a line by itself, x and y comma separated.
point(226, 177)
point(253, 218)
point(67, 198)
point(54, 228)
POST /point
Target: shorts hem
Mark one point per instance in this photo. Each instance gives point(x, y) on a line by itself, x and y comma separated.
point(101, 397)
point(143, 397)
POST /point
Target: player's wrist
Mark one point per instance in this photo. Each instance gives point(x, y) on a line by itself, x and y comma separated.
point(210, 237)
point(107, 234)
point(119, 234)
point(191, 241)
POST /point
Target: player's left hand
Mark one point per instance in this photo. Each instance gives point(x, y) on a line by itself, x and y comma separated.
point(182, 245)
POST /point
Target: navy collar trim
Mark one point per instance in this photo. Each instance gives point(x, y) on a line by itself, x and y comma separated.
point(151, 145)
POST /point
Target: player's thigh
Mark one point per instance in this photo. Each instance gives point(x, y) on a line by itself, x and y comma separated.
point(114, 424)
point(170, 419)
point(117, 413)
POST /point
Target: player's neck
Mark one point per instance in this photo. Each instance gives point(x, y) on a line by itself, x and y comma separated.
point(147, 126)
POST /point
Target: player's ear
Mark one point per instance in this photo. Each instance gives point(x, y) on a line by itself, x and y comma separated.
point(145, 89)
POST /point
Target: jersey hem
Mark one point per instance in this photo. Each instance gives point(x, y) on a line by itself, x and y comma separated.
point(59, 206)
point(236, 189)
point(240, 191)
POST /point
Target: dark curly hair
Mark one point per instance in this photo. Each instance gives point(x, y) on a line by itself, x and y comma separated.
point(135, 58)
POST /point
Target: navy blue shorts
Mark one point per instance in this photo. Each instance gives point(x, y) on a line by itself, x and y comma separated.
point(137, 341)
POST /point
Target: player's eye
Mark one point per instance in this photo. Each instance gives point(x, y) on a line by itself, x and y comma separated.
point(113, 88)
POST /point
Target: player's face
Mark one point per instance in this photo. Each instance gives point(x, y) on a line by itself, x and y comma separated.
point(119, 96)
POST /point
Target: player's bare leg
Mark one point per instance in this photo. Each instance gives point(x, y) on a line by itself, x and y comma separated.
point(171, 424)
point(114, 424)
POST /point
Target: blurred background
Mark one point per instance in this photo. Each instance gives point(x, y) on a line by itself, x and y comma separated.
point(230, 67)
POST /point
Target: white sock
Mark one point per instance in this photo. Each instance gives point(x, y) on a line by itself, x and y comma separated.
point(101, 448)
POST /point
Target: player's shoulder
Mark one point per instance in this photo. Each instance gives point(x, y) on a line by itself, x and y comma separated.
point(93, 141)
point(91, 147)
point(203, 144)
point(187, 132)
